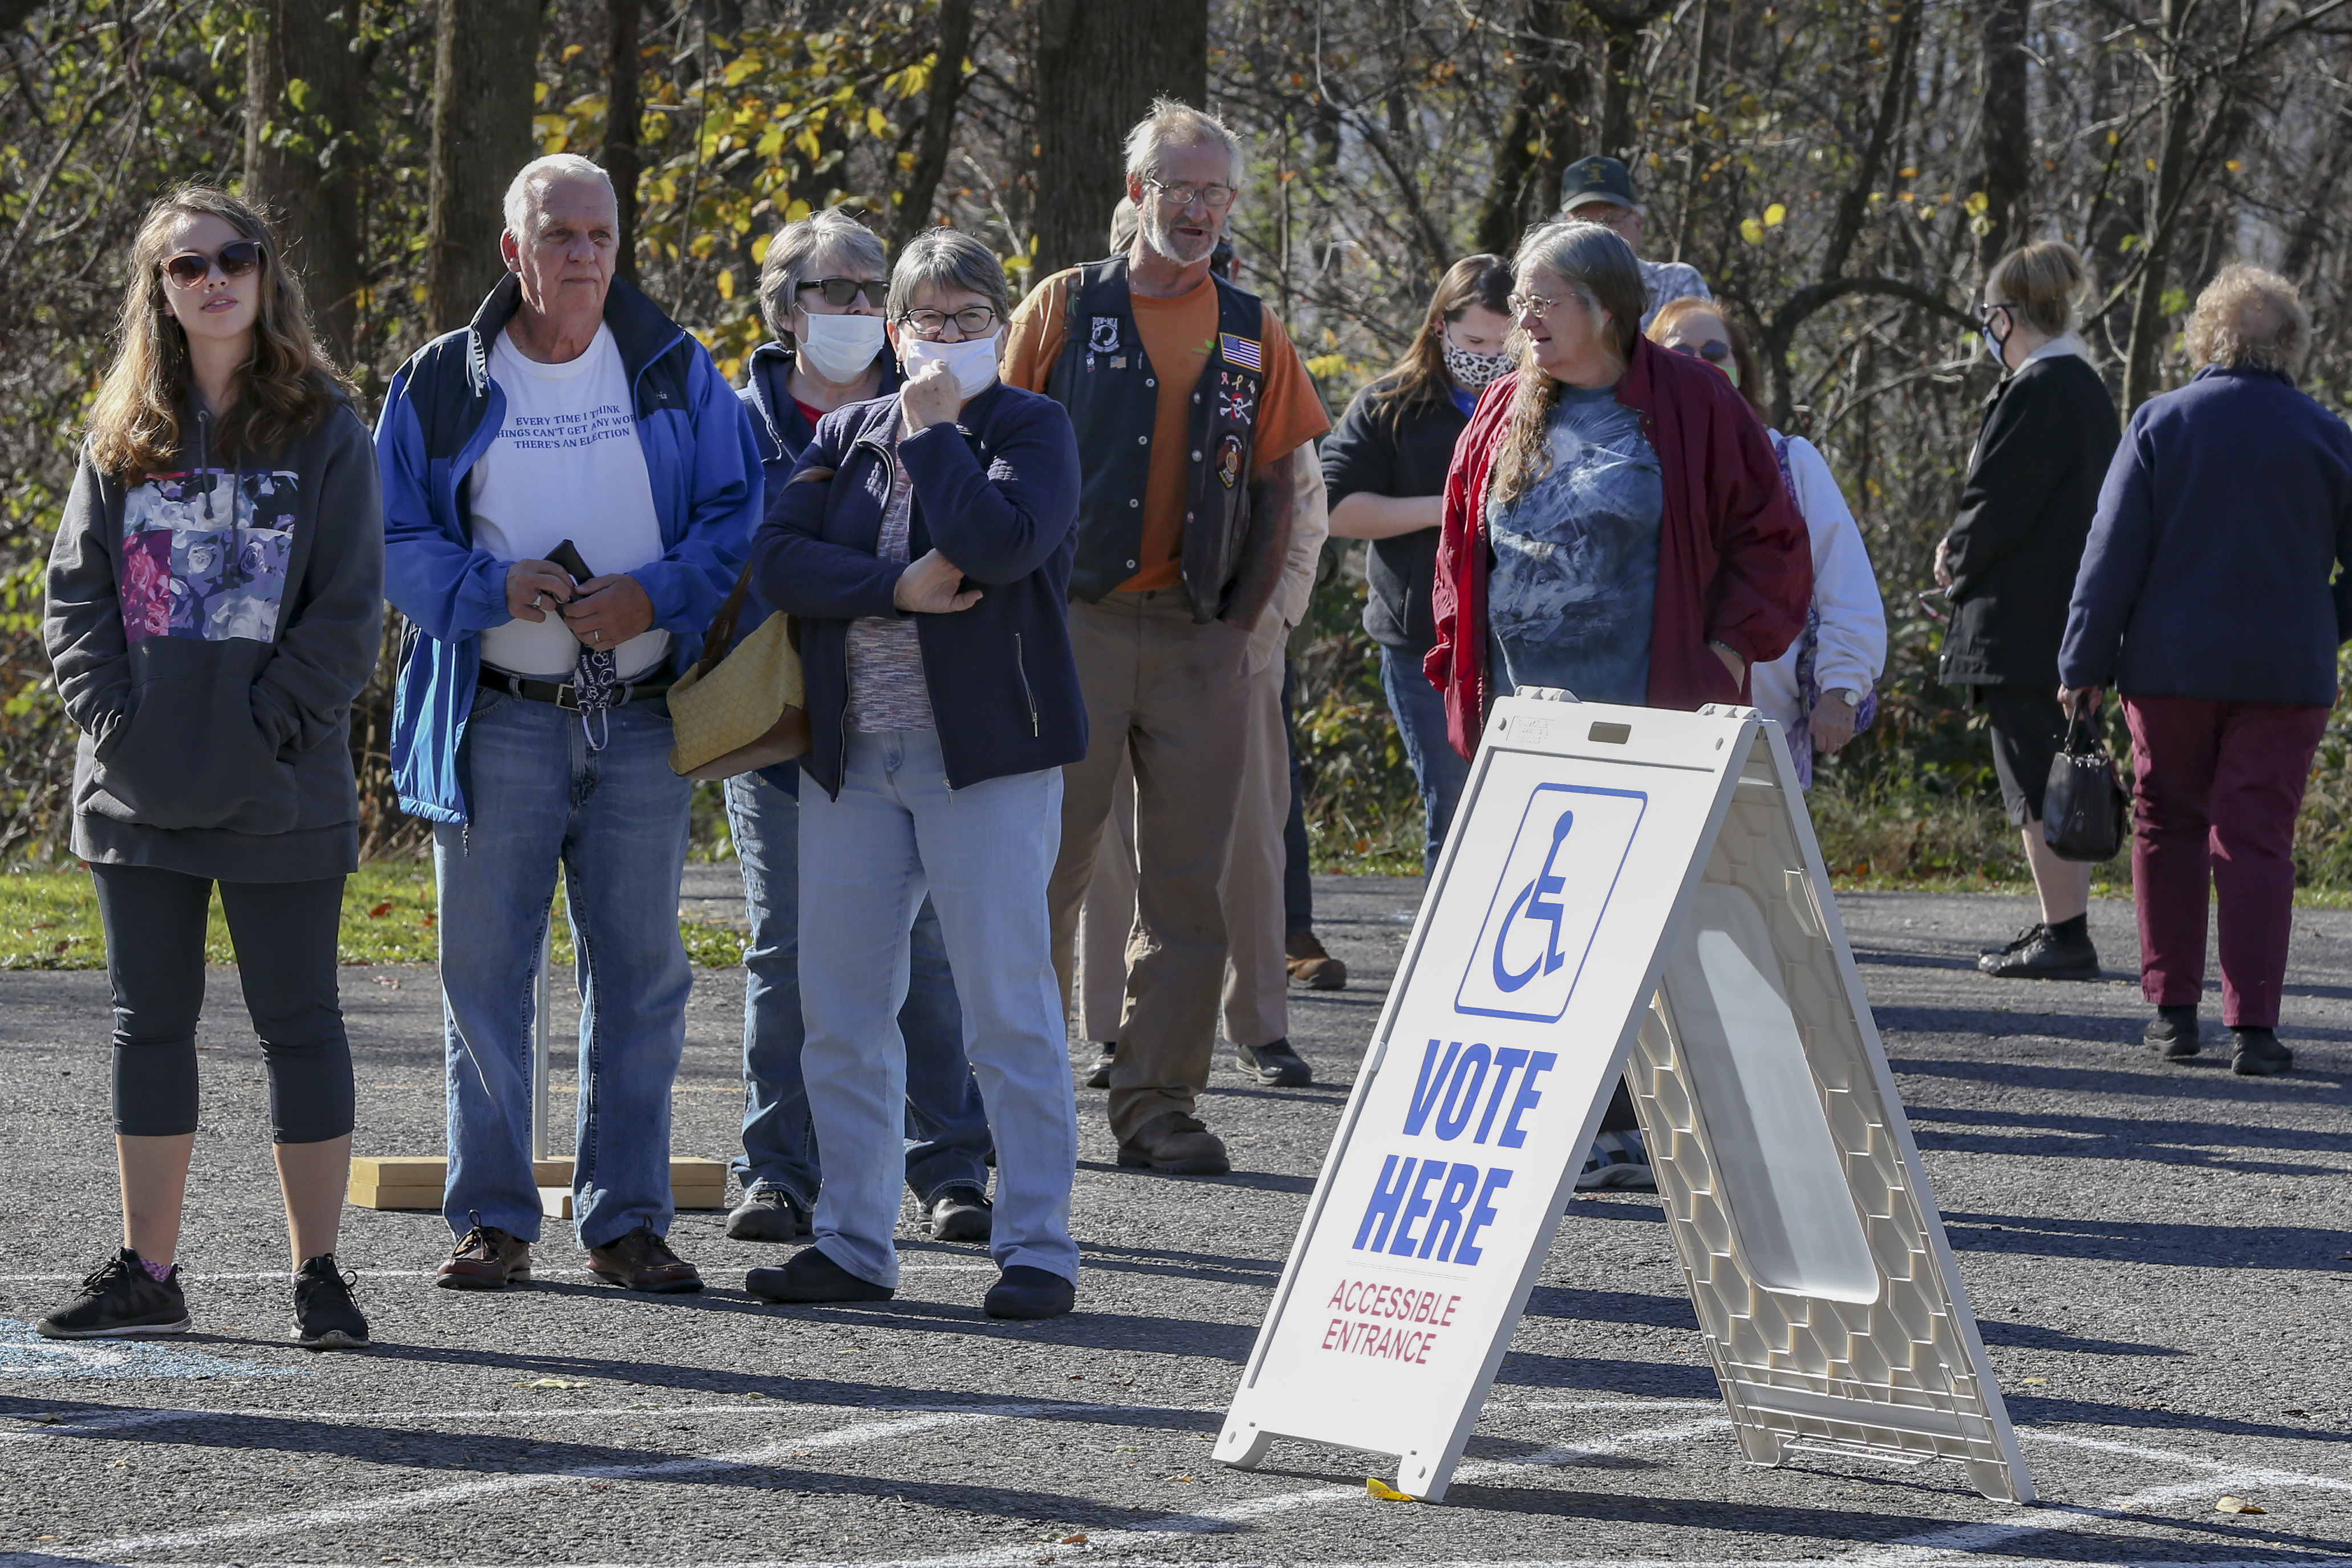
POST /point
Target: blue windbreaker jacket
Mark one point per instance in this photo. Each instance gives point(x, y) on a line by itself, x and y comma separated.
point(441, 415)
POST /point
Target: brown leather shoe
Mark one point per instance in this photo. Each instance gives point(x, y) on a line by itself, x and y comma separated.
point(1310, 965)
point(642, 1260)
point(486, 1258)
point(1173, 1144)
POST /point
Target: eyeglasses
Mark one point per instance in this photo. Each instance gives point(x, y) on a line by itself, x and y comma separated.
point(235, 259)
point(839, 292)
point(1534, 305)
point(1217, 197)
point(1984, 313)
point(972, 323)
point(1713, 352)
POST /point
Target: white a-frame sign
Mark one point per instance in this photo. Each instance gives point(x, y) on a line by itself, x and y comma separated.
point(1635, 891)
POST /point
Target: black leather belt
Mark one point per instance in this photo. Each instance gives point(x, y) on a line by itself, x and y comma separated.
point(561, 693)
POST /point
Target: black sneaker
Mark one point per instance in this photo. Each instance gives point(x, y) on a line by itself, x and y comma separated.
point(2014, 943)
point(2173, 1032)
point(2046, 955)
point(960, 1214)
point(325, 1316)
point(120, 1299)
point(1022, 1292)
point(2259, 1054)
point(1101, 1077)
point(1274, 1063)
point(767, 1214)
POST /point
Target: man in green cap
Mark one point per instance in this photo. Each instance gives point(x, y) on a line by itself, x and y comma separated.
point(1599, 191)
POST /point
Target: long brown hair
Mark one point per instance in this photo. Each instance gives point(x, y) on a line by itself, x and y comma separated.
point(287, 385)
point(1419, 376)
point(1599, 266)
point(1743, 357)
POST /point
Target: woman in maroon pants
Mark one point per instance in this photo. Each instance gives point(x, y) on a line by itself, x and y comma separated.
point(2204, 600)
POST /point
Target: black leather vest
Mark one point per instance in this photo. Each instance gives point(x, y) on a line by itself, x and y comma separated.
point(1112, 392)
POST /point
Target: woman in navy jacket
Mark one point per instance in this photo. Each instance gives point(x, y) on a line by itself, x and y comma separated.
point(924, 543)
point(2204, 599)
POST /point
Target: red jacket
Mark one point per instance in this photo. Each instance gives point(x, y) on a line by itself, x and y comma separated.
point(1734, 562)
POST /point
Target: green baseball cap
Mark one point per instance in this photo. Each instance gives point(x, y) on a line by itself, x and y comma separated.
point(1596, 179)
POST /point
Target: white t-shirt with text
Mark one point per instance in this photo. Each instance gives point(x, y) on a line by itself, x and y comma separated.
point(565, 464)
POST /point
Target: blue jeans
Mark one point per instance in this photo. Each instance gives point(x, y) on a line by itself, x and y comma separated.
point(615, 820)
point(984, 853)
point(1420, 710)
point(947, 1129)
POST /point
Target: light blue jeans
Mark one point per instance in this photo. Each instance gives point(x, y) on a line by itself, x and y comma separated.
point(1420, 710)
point(615, 820)
point(947, 1130)
point(984, 853)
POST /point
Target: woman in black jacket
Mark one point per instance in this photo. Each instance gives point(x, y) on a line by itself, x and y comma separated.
point(2010, 562)
point(1384, 469)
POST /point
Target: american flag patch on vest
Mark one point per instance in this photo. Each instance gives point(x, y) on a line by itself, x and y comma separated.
point(1242, 351)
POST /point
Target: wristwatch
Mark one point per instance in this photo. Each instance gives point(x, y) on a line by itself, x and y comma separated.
point(1845, 694)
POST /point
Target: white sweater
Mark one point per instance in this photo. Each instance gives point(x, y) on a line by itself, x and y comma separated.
point(1852, 650)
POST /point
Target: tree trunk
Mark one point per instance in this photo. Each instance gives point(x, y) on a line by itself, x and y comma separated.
point(304, 106)
point(941, 94)
point(621, 112)
point(2148, 323)
point(485, 63)
point(1097, 69)
point(1538, 138)
point(2303, 244)
point(2005, 138)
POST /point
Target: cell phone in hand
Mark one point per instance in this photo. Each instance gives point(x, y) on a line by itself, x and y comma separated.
point(567, 556)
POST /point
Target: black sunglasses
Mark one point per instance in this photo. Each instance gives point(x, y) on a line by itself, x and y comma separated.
point(839, 291)
point(235, 259)
point(1714, 354)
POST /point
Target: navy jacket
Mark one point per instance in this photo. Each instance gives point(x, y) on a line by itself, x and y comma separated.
point(2226, 510)
point(998, 494)
point(781, 431)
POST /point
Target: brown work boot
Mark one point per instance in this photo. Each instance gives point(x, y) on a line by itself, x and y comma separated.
point(486, 1258)
point(642, 1260)
point(1310, 965)
point(1173, 1144)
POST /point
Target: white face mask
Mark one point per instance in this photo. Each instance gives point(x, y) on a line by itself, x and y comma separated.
point(839, 348)
point(972, 362)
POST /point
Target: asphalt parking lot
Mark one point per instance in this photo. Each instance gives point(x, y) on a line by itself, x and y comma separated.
point(2160, 1255)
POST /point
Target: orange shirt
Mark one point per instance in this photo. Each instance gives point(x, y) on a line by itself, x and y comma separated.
point(1177, 336)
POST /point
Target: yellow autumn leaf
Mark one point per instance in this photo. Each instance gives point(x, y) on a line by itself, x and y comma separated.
point(726, 281)
point(877, 123)
point(760, 248)
point(1773, 215)
point(1383, 1491)
point(1751, 231)
point(796, 212)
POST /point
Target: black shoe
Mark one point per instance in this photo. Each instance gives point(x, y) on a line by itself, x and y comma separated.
point(811, 1276)
point(1274, 1063)
point(1101, 1077)
point(959, 1214)
point(2014, 943)
point(2173, 1031)
point(2259, 1054)
point(1022, 1292)
point(325, 1316)
point(118, 1299)
point(2047, 956)
point(767, 1214)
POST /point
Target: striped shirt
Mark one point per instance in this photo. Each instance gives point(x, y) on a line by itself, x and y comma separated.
point(886, 690)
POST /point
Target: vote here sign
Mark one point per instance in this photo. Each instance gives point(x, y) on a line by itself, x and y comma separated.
point(1532, 963)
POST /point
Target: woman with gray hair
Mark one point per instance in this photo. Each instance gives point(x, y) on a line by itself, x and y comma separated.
point(2204, 599)
point(924, 543)
point(1615, 523)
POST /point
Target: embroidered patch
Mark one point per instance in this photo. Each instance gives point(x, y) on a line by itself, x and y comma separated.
point(1103, 337)
point(1236, 406)
point(1229, 461)
point(1242, 351)
point(1118, 361)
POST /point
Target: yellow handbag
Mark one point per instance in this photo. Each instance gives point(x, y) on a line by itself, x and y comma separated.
point(740, 710)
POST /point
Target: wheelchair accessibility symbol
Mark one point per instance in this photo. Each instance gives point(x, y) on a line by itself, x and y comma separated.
point(1562, 867)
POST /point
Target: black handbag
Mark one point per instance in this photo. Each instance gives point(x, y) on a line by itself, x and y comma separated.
point(2083, 812)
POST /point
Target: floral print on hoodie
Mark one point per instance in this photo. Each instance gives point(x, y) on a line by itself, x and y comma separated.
point(204, 554)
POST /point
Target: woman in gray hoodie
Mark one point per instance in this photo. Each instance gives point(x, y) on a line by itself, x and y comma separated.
point(215, 604)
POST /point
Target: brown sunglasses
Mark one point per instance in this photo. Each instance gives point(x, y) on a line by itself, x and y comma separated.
point(235, 259)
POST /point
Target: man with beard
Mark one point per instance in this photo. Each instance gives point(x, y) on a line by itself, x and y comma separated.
point(1192, 411)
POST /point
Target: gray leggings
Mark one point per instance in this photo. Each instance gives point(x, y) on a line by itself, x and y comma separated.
point(283, 932)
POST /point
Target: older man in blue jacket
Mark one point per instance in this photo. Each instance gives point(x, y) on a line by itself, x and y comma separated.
point(569, 490)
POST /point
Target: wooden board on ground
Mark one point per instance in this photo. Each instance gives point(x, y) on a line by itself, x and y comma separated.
point(415, 1182)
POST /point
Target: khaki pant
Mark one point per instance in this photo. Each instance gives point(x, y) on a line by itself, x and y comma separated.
point(1171, 697)
point(1257, 976)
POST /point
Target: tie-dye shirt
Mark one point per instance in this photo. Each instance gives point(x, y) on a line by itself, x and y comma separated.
point(204, 553)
